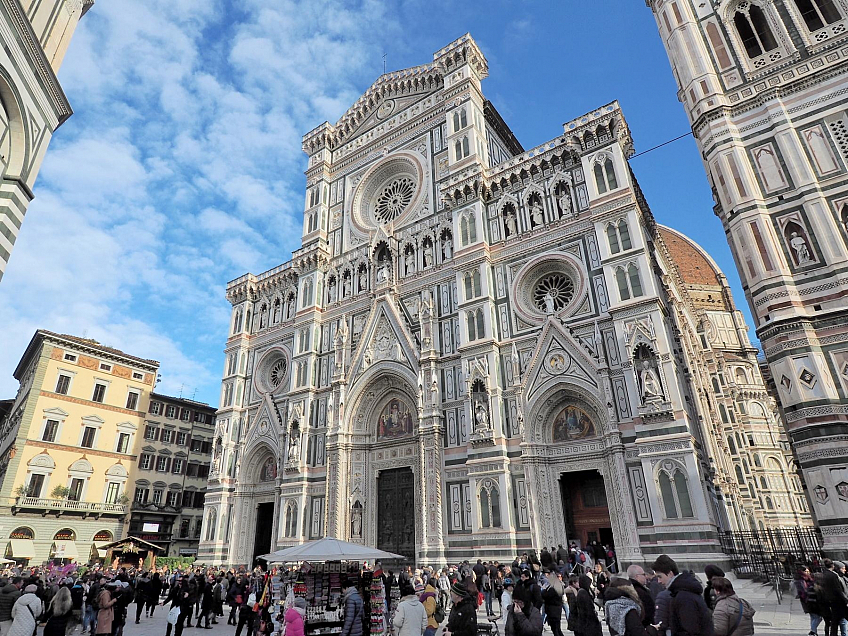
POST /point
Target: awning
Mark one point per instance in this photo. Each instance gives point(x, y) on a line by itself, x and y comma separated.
point(65, 550)
point(99, 550)
point(22, 548)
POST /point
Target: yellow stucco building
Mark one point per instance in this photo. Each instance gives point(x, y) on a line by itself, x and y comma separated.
point(68, 448)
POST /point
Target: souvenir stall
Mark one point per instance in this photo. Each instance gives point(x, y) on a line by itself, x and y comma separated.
point(315, 571)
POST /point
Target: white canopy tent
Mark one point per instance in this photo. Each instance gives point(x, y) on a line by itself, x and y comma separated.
point(329, 549)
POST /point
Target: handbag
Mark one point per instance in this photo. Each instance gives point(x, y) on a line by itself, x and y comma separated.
point(174, 615)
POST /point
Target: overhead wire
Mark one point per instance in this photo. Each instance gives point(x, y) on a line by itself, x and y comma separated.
point(665, 143)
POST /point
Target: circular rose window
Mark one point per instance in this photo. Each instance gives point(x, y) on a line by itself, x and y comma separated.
point(393, 199)
point(549, 284)
point(553, 292)
point(277, 373)
point(271, 371)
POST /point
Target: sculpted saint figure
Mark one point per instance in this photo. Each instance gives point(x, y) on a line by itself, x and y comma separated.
point(549, 303)
point(346, 287)
point(356, 522)
point(333, 291)
point(802, 252)
point(650, 385)
point(481, 417)
point(410, 263)
point(447, 248)
point(564, 202)
point(428, 255)
point(363, 280)
point(383, 273)
point(537, 214)
point(511, 224)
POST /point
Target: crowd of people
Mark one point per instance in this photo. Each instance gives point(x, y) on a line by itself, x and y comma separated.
point(556, 588)
point(824, 596)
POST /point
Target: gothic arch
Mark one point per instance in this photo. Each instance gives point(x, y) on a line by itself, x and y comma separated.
point(257, 452)
point(557, 394)
point(375, 388)
point(18, 136)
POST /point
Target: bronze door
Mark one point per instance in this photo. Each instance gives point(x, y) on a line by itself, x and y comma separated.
point(396, 512)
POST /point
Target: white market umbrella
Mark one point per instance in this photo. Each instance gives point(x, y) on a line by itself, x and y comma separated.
point(329, 549)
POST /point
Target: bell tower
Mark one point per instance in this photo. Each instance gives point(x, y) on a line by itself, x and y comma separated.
point(762, 82)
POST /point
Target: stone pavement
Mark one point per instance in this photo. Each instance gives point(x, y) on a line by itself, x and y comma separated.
point(157, 625)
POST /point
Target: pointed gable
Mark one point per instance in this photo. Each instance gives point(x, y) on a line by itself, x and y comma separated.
point(384, 338)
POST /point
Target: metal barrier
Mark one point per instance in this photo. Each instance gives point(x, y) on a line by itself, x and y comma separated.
point(777, 551)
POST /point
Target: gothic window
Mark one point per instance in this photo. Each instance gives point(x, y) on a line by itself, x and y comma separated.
point(490, 505)
point(718, 46)
point(740, 478)
point(753, 29)
point(307, 293)
point(605, 174)
point(211, 522)
point(291, 519)
point(676, 11)
point(476, 326)
point(769, 503)
point(741, 378)
point(674, 491)
point(237, 322)
point(629, 282)
point(763, 483)
point(731, 445)
point(757, 462)
point(621, 280)
point(468, 228)
point(619, 237)
point(817, 14)
point(247, 320)
point(472, 284)
point(462, 148)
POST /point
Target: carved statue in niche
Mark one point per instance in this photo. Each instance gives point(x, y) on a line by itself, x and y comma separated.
point(409, 261)
point(346, 291)
point(537, 213)
point(294, 445)
point(290, 306)
point(428, 254)
point(549, 303)
point(647, 372)
point(434, 392)
point(276, 311)
point(511, 222)
point(802, 250)
point(564, 201)
point(356, 521)
point(332, 286)
point(363, 280)
point(516, 365)
point(447, 248)
point(339, 343)
point(481, 417)
point(520, 417)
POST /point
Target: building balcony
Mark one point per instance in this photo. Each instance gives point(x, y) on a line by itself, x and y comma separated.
point(159, 508)
point(68, 506)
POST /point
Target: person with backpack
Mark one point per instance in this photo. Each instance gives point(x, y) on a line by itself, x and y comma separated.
point(586, 621)
point(805, 589)
point(77, 602)
point(485, 581)
point(733, 616)
point(432, 605)
point(686, 612)
point(353, 610)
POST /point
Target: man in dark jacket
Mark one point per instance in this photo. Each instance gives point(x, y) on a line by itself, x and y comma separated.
point(526, 618)
point(8, 595)
point(834, 595)
point(638, 580)
point(463, 615)
point(688, 613)
point(528, 584)
point(353, 610)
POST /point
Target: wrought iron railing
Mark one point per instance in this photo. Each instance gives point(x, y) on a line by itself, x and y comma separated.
point(773, 551)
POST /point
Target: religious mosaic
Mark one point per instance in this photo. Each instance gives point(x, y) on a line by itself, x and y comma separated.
point(395, 421)
point(572, 423)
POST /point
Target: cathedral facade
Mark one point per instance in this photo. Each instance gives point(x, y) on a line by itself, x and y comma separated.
point(480, 349)
point(763, 83)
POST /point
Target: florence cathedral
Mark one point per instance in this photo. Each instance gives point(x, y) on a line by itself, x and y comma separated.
point(480, 349)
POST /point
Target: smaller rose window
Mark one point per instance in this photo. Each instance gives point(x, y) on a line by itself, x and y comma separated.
point(277, 373)
point(393, 199)
point(553, 292)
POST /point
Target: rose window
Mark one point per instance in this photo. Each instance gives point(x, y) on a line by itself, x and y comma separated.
point(277, 373)
point(553, 291)
point(393, 199)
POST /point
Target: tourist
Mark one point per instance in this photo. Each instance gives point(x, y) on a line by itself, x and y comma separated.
point(295, 617)
point(552, 599)
point(105, 609)
point(506, 602)
point(623, 610)
point(711, 572)
point(687, 611)
point(25, 612)
point(77, 604)
point(834, 594)
point(571, 602)
point(805, 588)
point(638, 579)
point(154, 590)
point(123, 598)
point(602, 579)
point(586, 623)
point(463, 616)
point(528, 583)
point(219, 591)
point(444, 589)
point(410, 618)
point(59, 613)
point(180, 597)
point(235, 598)
point(206, 611)
point(89, 620)
point(353, 610)
point(732, 615)
point(430, 600)
point(526, 617)
point(485, 582)
point(8, 595)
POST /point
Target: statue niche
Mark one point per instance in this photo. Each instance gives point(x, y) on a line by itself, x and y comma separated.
point(647, 375)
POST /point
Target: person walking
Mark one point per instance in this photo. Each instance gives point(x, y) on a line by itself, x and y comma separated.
point(623, 610)
point(805, 589)
point(429, 600)
point(8, 595)
point(77, 601)
point(179, 597)
point(410, 617)
point(638, 579)
point(141, 585)
point(235, 598)
point(353, 610)
point(586, 622)
point(463, 615)
point(552, 599)
point(687, 612)
point(152, 594)
point(105, 611)
point(25, 612)
point(834, 596)
point(295, 617)
point(444, 589)
point(571, 602)
point(506, 602)
point(525, 619)
point(711, 572)
point(59, 613)
point(206, 612)
point(485, 582)
point(732, 615)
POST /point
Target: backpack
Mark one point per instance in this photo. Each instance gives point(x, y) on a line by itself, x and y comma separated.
point(582, 557)
point(439, 612)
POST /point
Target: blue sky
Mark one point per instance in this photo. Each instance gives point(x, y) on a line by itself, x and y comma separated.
point(181, 168)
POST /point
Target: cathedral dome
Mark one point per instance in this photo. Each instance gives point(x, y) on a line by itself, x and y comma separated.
point(697, 270)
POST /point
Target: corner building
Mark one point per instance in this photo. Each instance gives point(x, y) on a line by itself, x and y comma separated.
point(763, 83)
point(68, 448)
point(480, 349)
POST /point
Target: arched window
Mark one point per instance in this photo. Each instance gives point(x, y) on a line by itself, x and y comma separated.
point(716, 387)
point(718, 46)
point(817, 14)
point(465, 148)
point(740, 478)
point(757, 461)
point(468, 228)
point(481, 329)
point(463, 119)
point(609, 169)
point(476, 327)
point(599, 179)
point(612, 237)
point(635, 282)
point(472, 284)
point(237, 321)
point(731, 445)
point(455, 120)
point(763, 483)
point(621, 280)
point(211, 522)
point(722, 410)
point(490, 505)
point(769, 503)
point(674, 490)
point(22, 532)
point(458, 149)
point(754, 31)
point(624, 235)
point(291, 519)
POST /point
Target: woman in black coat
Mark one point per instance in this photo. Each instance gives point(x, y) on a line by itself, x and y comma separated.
point(58, 613)
point(153, 592)
point(552, 598)
point(587, 623)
